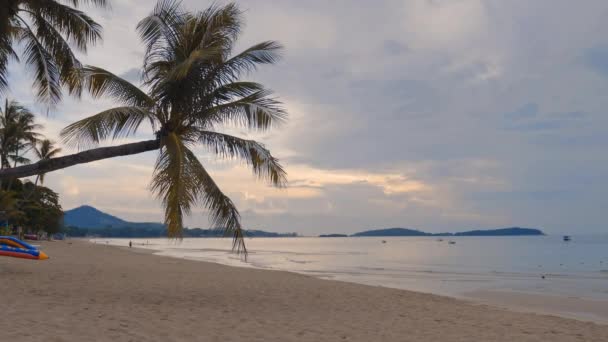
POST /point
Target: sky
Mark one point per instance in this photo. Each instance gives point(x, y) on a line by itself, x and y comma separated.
point(439, 115)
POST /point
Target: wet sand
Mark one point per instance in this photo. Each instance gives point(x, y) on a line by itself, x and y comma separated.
point(89, 292)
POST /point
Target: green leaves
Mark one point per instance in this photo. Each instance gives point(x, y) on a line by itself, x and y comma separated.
point(264, 165)
point(112, 123)
point(58, 47)
point(78, 28)
point(18, 131)
point(194, 87)
point(45, 150)
point(46, 73)
point(47, 30)
point(159, 28)
point(256, 111)
point(175, 182)
point(100, 82)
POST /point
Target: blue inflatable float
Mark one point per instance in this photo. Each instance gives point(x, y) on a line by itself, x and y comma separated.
point(9, 246)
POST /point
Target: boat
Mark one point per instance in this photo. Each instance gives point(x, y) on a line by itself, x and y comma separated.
point(452, 242)
point(567, 238)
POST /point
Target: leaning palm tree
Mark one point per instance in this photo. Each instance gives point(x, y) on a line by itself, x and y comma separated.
point(45, 150)
point(47, 30)
point(193, 90)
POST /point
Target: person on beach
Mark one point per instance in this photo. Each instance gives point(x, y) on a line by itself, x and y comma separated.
point(130, 244)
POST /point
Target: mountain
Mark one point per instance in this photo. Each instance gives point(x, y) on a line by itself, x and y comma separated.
point(392, 232)
point(88, 221)
point(513, 231)
point(89, 217)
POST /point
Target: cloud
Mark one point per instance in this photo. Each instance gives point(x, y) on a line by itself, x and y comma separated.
point(393, 47)
point(439, 115)
point(132, 75)
point(596, 58)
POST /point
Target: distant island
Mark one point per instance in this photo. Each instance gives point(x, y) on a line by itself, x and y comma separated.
point(88, 221)
point(513, 231)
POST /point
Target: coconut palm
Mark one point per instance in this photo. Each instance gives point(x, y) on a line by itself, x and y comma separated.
point(45, 150)
point(192, 90)
point(47, 30)
point(18, 132)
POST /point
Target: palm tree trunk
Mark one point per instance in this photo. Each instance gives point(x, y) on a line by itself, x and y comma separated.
point(10, 181)
point(53, 164)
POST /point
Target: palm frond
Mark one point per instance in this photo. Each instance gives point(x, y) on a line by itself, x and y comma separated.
point(60, 49)
point(77, 27)
point(268, 52)
point(255, 111)
point(17, 159)
point(264, 165)
point(47, 76)
point(100, 82)
point(222, 211)
point(174, 183)
point(6, 54)
point(217, 27)
point(98, 3)
point(46, 149)
point(160, 26)
point(112, 123)
point(180, 71)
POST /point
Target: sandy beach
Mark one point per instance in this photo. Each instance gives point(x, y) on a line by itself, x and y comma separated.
point(88, 292)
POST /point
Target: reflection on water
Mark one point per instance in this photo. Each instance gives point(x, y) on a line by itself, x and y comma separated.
point(577, 268)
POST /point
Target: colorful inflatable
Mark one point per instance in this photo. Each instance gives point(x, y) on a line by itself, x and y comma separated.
point(9, 246)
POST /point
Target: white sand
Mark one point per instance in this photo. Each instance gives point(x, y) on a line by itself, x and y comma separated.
point(89, 292)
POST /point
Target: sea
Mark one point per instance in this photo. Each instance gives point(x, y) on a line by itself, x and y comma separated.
point(452, 266)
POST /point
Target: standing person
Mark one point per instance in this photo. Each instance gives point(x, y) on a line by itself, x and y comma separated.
point(130, 244)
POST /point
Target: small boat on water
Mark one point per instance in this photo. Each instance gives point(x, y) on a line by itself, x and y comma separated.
point(567, 238)
point(452, 242)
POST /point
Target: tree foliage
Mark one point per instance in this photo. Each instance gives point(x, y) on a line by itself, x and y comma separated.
point(192, 88)
point(47, 31)
point(18, 132)
point(34, 208)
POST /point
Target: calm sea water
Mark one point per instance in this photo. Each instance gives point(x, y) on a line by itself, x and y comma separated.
point(578, 268)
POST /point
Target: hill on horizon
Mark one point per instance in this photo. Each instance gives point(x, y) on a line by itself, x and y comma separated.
point(512, 231)
point(89, 221)
point(86, 216)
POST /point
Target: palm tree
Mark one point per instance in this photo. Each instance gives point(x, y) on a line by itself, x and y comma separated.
point(17, 132)
point(45, 151)
point(192, 89)
point(47, 29)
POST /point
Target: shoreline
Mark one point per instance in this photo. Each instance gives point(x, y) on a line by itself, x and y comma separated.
point(570, 307)
point(99, 292)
